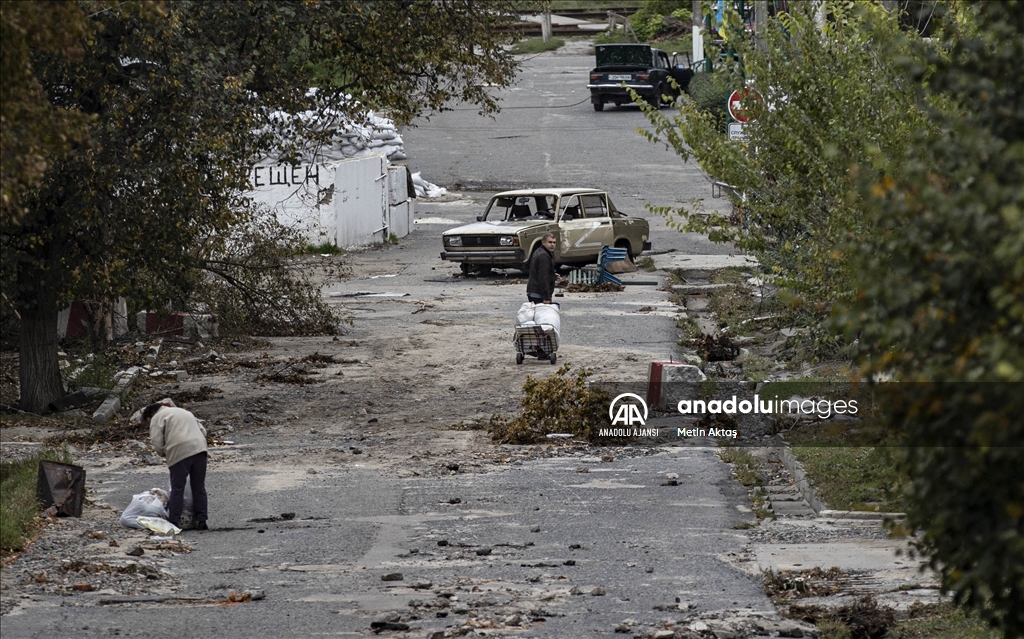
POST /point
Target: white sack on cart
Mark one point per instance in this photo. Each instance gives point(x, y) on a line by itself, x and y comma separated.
point(526, 313)
point(548, 314)
point(152, 503)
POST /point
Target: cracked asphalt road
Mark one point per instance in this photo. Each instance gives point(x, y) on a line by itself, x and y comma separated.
point(363, 453)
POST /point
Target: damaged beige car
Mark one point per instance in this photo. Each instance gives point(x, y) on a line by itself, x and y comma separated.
point(510, 230)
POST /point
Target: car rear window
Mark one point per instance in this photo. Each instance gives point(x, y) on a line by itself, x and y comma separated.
point(623, 55)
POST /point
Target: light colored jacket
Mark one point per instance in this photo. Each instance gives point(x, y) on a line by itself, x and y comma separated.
point(176, 434)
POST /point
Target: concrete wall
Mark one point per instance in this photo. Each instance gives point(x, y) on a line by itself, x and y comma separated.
point(301, 197)
point(73, 321)
point(400, 200)
point(353, 202)
point(360, 188)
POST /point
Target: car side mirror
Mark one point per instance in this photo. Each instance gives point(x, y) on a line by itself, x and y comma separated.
point(479, 218)
point(567, 217)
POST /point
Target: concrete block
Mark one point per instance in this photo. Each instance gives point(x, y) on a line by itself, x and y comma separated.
point(674, 261)
point(792, 508)
point(154, 353)
point(670, 382)
point(860, 515)
point(126, 379)
point(73, 321)
point(107, 409)
point(801, 481)
point(153, 323)
point(203, 326)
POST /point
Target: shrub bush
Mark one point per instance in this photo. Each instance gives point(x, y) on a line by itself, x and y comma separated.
point(710, 93)
point(558, 404)
point(940, 301)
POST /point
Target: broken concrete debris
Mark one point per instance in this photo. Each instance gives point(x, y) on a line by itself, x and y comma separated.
point(112, 404)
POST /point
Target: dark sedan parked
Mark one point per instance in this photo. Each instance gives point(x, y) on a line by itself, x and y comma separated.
point(640, 67)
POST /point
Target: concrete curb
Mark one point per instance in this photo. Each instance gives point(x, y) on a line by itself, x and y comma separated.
point(859, 514)
point(810, 493)
point(698, 289)
point(801, 480)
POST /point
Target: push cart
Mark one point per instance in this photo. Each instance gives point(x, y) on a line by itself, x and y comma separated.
point(536, 340)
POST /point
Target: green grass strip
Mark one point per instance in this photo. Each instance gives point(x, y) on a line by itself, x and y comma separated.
point(848, 477)
point(18, 506)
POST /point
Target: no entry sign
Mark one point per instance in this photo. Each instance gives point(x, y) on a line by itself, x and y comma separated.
point(741, 104)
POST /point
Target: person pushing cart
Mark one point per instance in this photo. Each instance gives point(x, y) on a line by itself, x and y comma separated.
point(541, 285)
point(538, 321)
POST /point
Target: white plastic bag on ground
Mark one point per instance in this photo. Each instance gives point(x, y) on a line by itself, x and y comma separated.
point(548, 314)
point(158, 526)
point(152, 503)
point(526, 313)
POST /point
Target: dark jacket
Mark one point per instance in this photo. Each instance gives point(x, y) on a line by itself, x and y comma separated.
point(542, 274)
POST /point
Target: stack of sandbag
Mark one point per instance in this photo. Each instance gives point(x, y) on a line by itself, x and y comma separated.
point(426, 189)
point(371, 135)
point(378, 137)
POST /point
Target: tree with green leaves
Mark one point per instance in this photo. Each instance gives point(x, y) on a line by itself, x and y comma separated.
point(829, 100)
point(656, 16)
point(32, 129)
point(175, 103)
point(883, 183)
point(939, 304)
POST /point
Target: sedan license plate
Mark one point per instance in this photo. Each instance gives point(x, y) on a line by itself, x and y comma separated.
point(620, 77)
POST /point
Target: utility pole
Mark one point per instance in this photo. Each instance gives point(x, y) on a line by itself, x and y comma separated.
point(698, 32)
point(545, 23)
point(760, 22)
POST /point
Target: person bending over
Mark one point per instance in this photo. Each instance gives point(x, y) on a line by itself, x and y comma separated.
point(177, 435)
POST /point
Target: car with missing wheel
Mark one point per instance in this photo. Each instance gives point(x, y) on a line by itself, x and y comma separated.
point(511, 227)
point(640, 67)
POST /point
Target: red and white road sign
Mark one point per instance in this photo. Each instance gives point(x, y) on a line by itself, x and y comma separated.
point(741, 104)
